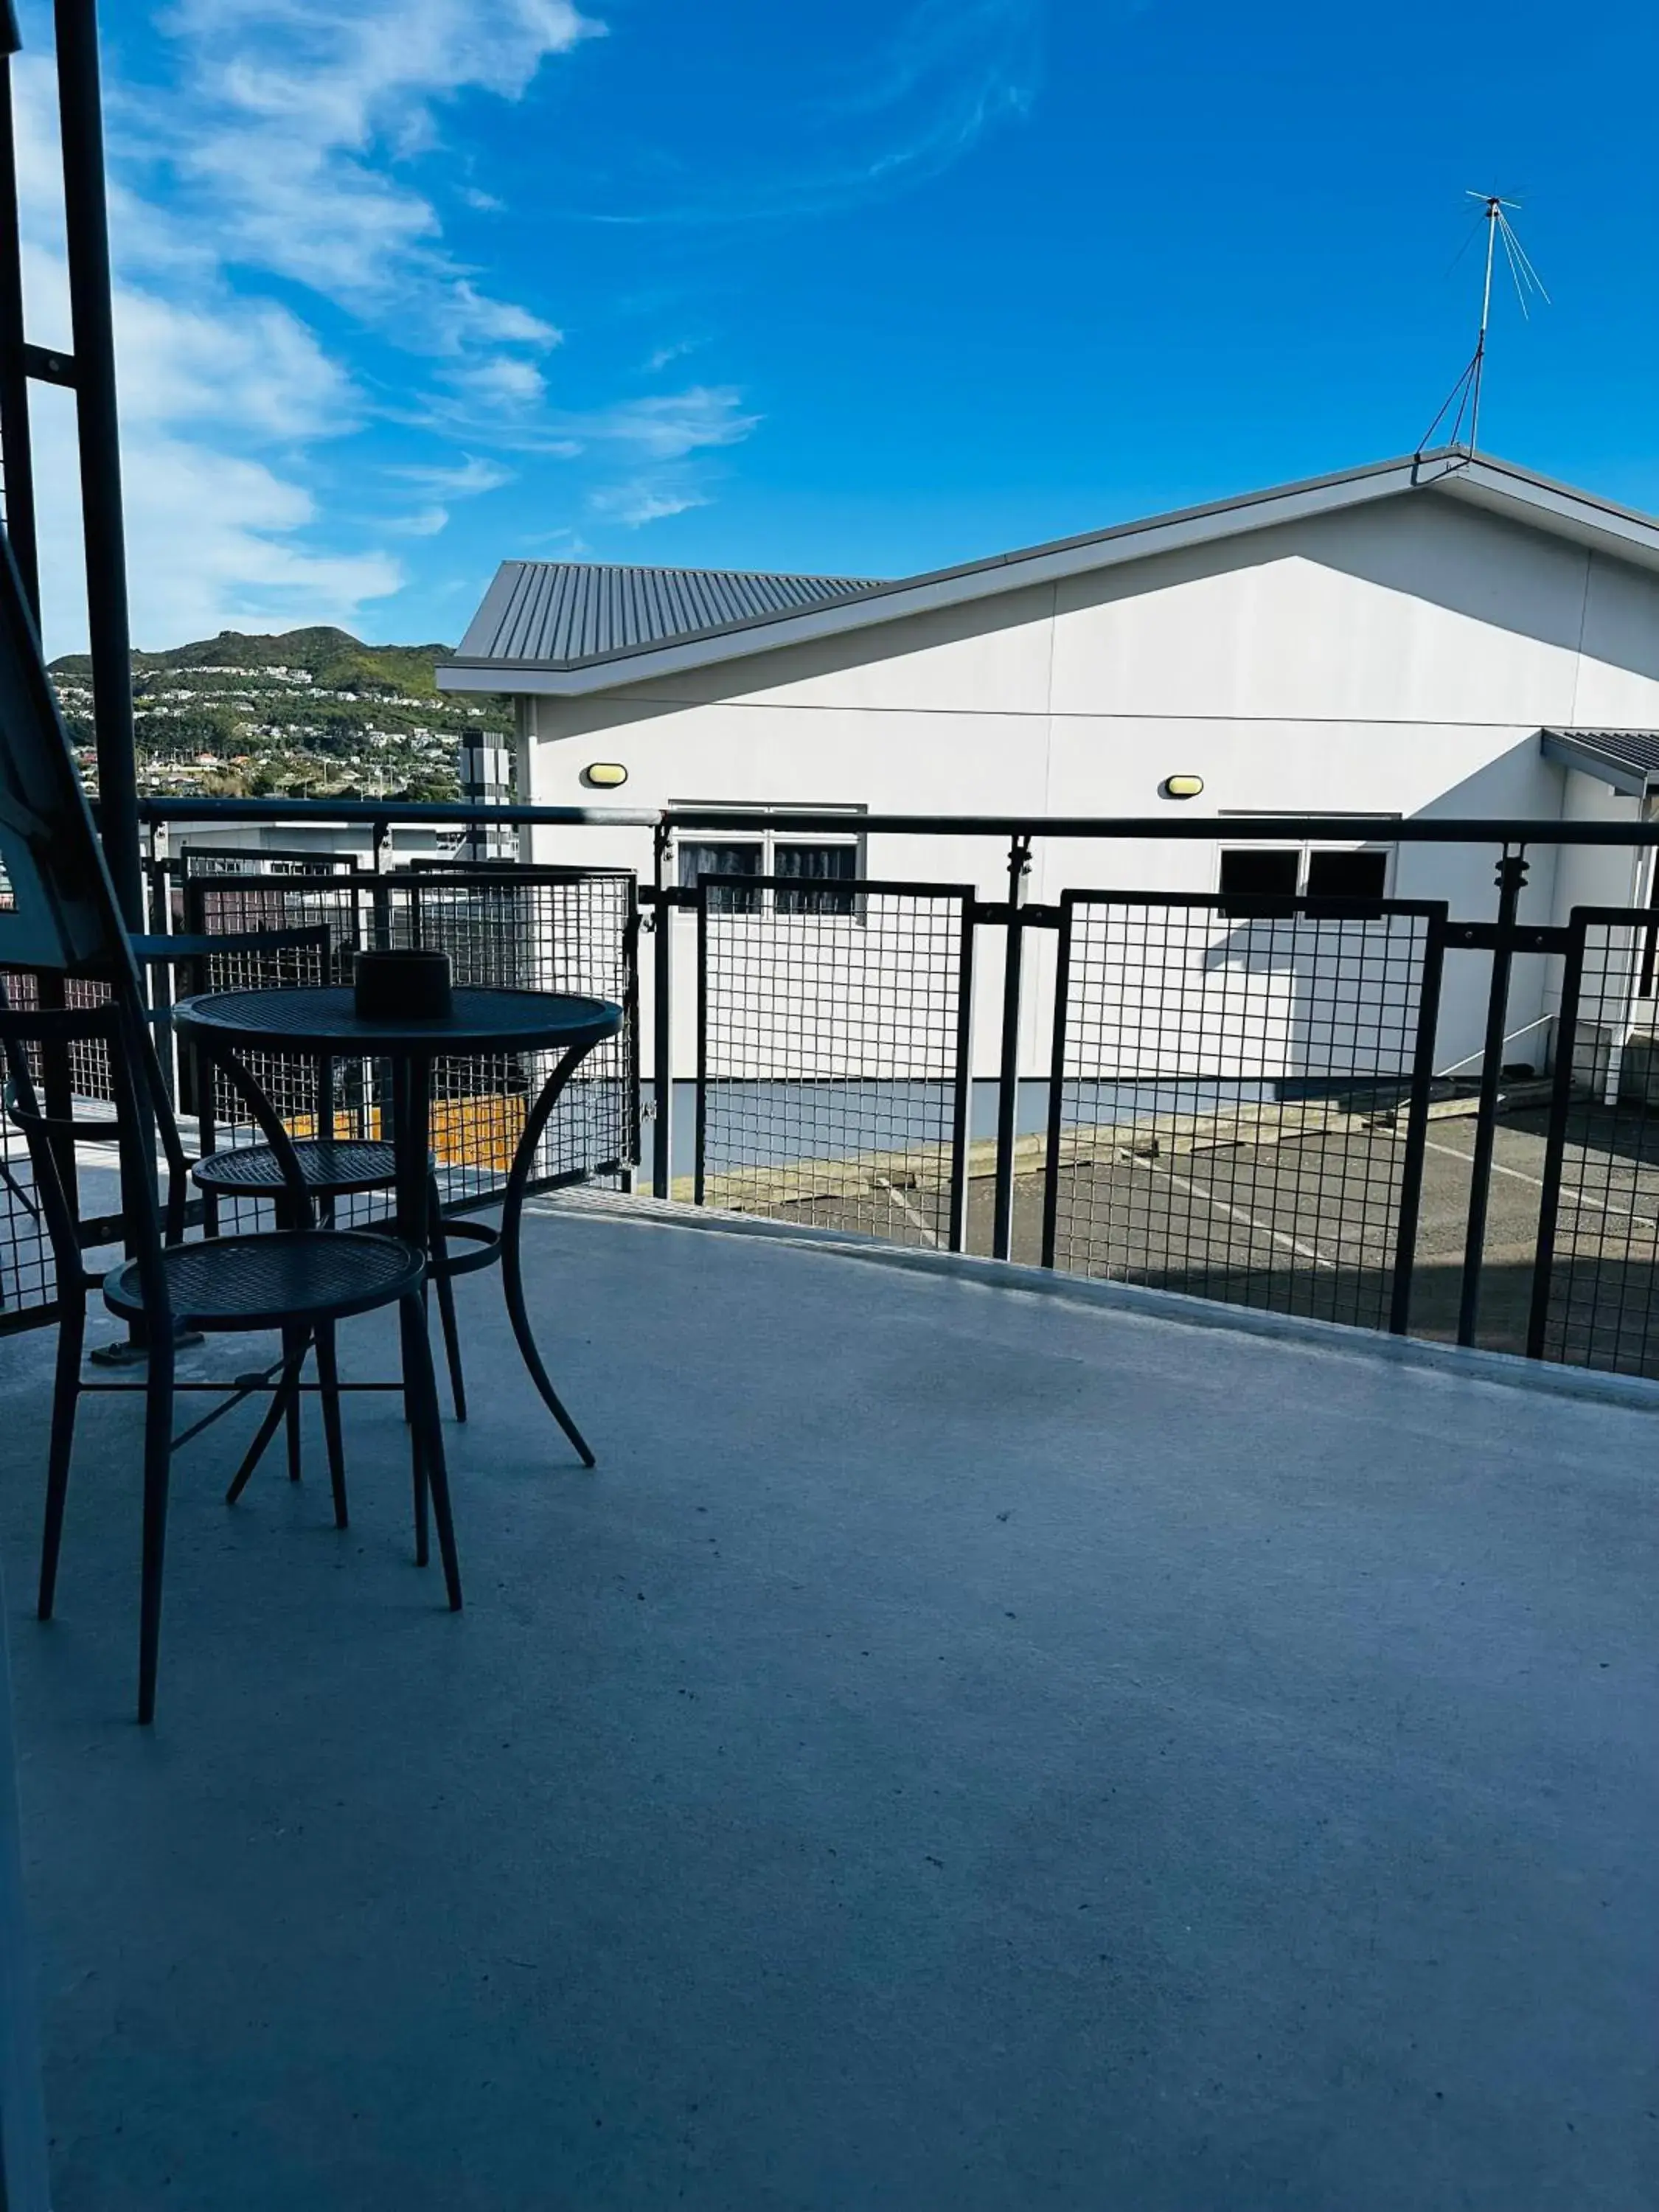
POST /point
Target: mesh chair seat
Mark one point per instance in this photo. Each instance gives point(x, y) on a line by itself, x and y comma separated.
point(333, 1167)
point(297, 1277)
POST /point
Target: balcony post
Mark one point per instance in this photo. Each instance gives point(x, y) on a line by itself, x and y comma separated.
point(1511, 876)
point(662, 1028)
point(1002, 1226)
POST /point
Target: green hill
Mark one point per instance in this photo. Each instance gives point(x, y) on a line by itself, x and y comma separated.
point(331, 657)
point(307, 712)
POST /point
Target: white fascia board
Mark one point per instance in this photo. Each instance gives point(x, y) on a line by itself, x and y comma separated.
point(498, 678)
point(957, 588)
point(1537, 502)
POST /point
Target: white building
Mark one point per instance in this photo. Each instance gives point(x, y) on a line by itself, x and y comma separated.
point(1441, 635)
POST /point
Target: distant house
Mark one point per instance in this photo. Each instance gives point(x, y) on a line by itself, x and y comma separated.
point(1444, 634)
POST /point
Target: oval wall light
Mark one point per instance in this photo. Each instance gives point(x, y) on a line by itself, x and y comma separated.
point(1181, 786)
point(604, 775)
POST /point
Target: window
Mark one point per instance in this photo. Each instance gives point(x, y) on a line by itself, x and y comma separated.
point(1314, 871)
point(812, 864)
point(1260, 871)
point(1347, 875)
point(699, 857)
point(811, 870)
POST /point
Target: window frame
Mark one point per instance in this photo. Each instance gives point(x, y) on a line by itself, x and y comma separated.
point(767, 839)
point(1304, 849)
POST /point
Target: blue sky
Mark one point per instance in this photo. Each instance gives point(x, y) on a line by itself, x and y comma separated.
point(860, 286)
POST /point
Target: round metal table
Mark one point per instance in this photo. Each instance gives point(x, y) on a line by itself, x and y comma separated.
point(323, 1024)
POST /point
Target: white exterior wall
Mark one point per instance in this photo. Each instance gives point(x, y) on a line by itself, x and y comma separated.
point(1395, 658)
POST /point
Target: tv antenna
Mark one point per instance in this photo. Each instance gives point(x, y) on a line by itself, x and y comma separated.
point(1465, 394)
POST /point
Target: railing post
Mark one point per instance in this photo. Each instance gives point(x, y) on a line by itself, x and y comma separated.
point(1555, 1141)
point(1511, 876)
point(662, 1073)
point(1002, 1226)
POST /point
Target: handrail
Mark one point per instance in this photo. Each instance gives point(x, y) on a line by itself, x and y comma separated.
point(1341, 828)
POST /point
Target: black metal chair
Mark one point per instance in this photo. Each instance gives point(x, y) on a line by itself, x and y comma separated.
point(300, 1279)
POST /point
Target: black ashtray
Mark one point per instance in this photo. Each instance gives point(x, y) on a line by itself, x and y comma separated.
point(409, 985)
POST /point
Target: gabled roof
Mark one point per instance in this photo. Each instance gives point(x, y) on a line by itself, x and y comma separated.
point(565, 612)
point(1627, 759)
point(492, 656)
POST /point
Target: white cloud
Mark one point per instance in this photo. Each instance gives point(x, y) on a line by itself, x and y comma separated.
point(298, 125)
point(665, 426)
point(661, 436)
point(290, 146)
point(279, 150)
point(642, 501)
point(665, 354)
point(244, 364)
point(425, 522)
point(501, 380)
point(874, 116)
point(215, 541)
point(459, 480)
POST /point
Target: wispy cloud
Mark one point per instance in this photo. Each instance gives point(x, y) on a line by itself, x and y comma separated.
point(657, 361)
point(463, 479)
point(424, 522)
point(664, 426)
point(642, 500)
point(662, 438)
point(948, 73)
point(301, 127)
point(217, 391)
point(285, 146)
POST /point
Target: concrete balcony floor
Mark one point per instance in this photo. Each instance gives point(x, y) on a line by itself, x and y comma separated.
point(962, 1748)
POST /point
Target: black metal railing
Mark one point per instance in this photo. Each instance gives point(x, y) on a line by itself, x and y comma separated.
point(1241, 1094)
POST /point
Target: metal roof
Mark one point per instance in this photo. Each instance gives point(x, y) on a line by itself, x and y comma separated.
point(556, 613)
point(489, 660)
point(1627, 759)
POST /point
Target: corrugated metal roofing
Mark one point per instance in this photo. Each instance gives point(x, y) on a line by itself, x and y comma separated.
point(1630, 757)
point(558, 612)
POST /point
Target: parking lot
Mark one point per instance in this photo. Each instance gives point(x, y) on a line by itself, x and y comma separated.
point(1306, 1225)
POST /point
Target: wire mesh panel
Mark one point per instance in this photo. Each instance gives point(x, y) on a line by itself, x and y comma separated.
point(1238, 1098)
point(235, 893)
point(27, 1281)
point(305, 1101)
point(1595, 1292)
point(85, 1061)
point(229, 895)
point(832, 1054)
point(545, 929)
point(530, 929)
point(70, 1078)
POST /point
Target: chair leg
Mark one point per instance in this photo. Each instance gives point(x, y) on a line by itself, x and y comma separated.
point(328, 1374)
point(158, 1455)
point(423, 1396)
point(65, 1398)
point(284, 1389)
point(411, 1317)
point(294, 1346)
point(446, 1299)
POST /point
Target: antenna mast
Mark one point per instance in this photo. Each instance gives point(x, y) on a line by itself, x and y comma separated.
point(1465, 394)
